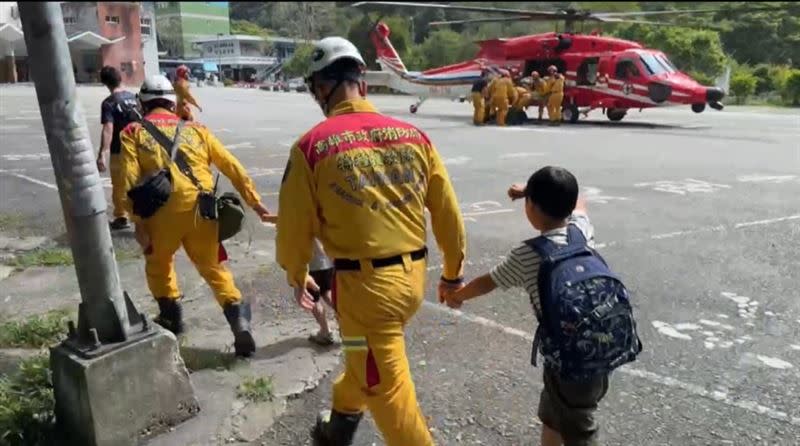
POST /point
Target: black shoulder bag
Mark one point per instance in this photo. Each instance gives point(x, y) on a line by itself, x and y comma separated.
point(153, 191)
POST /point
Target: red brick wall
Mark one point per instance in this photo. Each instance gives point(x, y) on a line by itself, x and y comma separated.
point(127, 54)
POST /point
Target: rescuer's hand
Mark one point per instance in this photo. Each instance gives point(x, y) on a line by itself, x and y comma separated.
point(303, 297)
point(262, 211)
point(452, 301)
point(447, 288)
point(516, 191)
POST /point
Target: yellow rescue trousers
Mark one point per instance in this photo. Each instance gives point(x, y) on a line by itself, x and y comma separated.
point(373, 307)
point(117, 188)
point(554, 107)
point(199, 238)
point(500, 108)
point(478, 103)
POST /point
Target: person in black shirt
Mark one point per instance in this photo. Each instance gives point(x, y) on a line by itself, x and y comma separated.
point(478, 101)
point(114, 115)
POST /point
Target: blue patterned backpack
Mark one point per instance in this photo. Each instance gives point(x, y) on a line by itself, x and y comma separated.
point(586, 326)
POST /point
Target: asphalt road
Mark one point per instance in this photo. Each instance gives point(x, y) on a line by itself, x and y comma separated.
point(699, 214)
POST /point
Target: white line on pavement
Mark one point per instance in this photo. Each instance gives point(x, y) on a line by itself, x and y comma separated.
point(32, 180)
point(766, 222)
point(240, 145)
point(721, 397)
point(498, 211)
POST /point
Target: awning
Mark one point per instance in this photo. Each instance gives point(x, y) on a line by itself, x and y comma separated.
point(90, 40)
point(10, 33)
point(210, 67)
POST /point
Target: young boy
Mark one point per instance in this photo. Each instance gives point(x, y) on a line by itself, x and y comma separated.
point(320, 268)
point(566, 408)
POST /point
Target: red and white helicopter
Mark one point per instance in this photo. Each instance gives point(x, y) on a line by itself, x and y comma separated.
point(601, 72)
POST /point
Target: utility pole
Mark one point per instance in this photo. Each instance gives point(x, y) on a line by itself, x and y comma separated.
point(113, 343)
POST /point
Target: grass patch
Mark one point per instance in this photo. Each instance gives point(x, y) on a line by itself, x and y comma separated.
point(127, 254)
point(205, 359)
point(43, 257)
point(35, 332)
point(11, 222)
point(256, 389)
point(27, 404)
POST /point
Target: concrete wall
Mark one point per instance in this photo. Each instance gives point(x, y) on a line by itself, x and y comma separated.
point(80, 17)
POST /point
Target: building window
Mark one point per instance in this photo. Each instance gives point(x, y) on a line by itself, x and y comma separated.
point(127, 68)
point(112, 19)
point(145, 23)
point(70, 20)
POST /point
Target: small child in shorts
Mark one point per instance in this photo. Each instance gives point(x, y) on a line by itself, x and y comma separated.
point(566, 409)
point(321, 270)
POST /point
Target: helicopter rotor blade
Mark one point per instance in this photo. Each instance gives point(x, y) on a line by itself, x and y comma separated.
point(687, 11)
point(518, 12)
point(486, 20)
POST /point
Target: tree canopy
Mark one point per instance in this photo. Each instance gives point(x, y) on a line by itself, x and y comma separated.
point(702, 46)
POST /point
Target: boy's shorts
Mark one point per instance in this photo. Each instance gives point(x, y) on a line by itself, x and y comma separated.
point(324, 279)
point(569, 407)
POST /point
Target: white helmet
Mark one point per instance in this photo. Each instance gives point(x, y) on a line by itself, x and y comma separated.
point(331, 49)
point(157, 86)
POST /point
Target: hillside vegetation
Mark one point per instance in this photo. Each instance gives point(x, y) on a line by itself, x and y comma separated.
point(763, 48)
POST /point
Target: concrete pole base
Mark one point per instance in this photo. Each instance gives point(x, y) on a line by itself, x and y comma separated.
point(124, 395)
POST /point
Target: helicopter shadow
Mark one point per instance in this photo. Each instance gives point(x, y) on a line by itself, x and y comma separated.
point(530, 122)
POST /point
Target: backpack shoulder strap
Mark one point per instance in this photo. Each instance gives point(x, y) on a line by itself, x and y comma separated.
point(170, 147)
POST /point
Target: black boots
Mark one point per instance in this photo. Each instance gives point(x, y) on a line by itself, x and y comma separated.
point(238, 316)
point(170, 315)
point(335, 428)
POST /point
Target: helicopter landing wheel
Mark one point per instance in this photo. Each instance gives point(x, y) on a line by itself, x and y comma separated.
point(570, 113)
point(699, 107)
point(616, 114)
point(412, 108)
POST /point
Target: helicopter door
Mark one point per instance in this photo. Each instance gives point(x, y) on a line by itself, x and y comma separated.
point(627, 70)
point(587, 71)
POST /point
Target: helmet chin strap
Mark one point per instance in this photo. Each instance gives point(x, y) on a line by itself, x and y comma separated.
point(326, 105)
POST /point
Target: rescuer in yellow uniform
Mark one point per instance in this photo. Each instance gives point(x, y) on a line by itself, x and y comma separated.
point(478, 102)
point(177, 221)
point(502, 93)
point(555, 89)
point(360, 181)
point(184, 94)
point(539, 92)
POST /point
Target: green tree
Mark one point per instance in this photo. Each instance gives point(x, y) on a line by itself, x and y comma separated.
point(251, 29)
point(790, 90)
point(300, 61)
point(743, 85)
point(444, 47)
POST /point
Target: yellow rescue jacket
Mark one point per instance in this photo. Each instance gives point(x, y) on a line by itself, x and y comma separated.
point(555, 85)
point(360, 182)
point(540, 86)
point(184, 95)
point(141, 156)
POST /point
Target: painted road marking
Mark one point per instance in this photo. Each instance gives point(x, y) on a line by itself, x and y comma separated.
point(684, 187)
point(521, 155)
point(240, 145)
point(497, 211)
point(457, 161)
point(267, 129)
point(12, 127)
point(718, 396)
point(30, 179)
point(772, 179)
point(25, 157)
point(595, 195)
point(719, 228)
point(257, 172)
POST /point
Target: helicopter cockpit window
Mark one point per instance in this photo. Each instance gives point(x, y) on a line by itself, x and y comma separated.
point(667, 63)
point(652, 64)
point(626, 69)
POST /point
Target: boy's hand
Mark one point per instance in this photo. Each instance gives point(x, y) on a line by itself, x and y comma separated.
point(446, 289)
point(303, 297)
point(453, 301)
point(516, 191)
point(262, 211)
